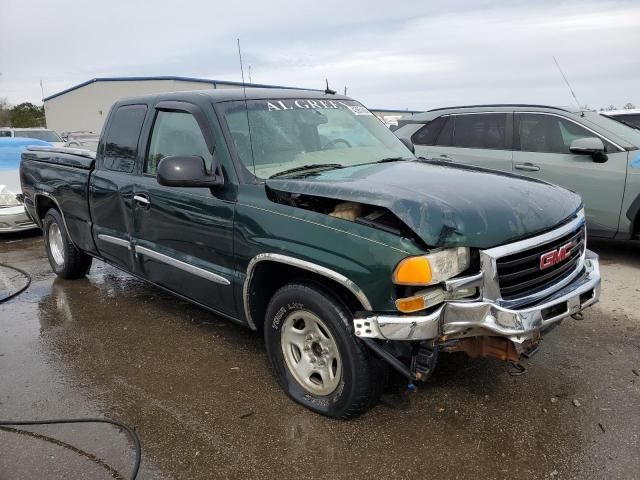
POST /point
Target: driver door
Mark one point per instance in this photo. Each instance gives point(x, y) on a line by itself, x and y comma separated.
point(543, 153)
point(184, 235)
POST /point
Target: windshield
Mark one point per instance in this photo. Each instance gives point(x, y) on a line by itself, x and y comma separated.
point(46, 135)
point(621, 130)
point(291, 133)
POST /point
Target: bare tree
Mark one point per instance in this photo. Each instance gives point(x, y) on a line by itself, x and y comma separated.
point(611, 107)
point(629, 106)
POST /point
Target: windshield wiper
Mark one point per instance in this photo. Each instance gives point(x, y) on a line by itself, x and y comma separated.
point(303, 168)
point(392, 159)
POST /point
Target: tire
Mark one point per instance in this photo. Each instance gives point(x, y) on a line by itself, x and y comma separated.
point(66, 260)
point(303, 323)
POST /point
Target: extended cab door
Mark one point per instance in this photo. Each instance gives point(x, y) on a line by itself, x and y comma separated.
point(544, 141)
point(184, 236)
point(482, 139)
point(111, 187)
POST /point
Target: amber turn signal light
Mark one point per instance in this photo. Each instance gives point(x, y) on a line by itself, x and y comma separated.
point(413, 271)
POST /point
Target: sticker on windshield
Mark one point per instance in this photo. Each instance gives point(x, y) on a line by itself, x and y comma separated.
point(359, 110)
point(310, 104)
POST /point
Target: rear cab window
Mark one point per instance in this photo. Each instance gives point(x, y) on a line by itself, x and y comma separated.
point(121, 142)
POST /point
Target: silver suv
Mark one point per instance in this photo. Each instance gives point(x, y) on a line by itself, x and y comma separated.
point(581, 150)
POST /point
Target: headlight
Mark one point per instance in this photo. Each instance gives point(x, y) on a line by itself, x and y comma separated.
point(432, 268)
point(7, 199)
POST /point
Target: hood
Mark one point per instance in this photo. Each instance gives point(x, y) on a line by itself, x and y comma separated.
point(447, 205)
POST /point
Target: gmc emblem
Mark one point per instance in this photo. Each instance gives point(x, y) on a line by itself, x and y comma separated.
point(556, 256)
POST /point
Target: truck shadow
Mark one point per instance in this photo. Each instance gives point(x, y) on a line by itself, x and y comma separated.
point(616, 251)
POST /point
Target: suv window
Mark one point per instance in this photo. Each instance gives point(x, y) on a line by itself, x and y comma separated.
point(438, 131)
point(428, 134)
point(551, 134)
point(175, 133)
point(5, 133)
point(121, 145)
point(485, 130)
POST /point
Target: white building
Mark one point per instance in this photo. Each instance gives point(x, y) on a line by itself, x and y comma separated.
point(86, 106)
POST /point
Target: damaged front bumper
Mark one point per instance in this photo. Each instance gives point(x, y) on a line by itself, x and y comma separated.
point(462, 319)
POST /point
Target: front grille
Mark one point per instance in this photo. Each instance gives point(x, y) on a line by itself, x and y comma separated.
point(520, 273)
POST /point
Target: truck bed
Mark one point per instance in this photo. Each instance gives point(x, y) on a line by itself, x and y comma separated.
point(61, 176)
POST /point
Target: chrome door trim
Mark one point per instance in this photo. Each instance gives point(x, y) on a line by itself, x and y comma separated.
point(200, 272)
point(296, 262)
point(121, 242)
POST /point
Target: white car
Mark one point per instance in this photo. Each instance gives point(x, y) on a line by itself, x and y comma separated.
point(13, 216)
point(629, 117)
point(38, 133)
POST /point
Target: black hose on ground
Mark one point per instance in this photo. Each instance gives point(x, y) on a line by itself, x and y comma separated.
point(21, 289)
point(132, 434)
point(13, 423)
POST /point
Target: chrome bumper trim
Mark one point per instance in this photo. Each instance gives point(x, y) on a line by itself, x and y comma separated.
point(15, 219)
point(467, 319)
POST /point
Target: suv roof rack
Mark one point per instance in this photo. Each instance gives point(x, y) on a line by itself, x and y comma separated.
point(499, 105)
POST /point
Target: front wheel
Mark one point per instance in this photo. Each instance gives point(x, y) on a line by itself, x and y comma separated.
point(316, 357)
point(65, 259)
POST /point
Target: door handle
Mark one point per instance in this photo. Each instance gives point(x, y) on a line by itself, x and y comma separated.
point(527, 167)
point(142, 200)
point(444, 155)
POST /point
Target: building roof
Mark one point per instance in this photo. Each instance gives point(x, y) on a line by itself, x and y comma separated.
point(174, 78)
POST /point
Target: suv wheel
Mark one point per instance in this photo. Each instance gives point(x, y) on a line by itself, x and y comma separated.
point(316, 358)
point(65, 259)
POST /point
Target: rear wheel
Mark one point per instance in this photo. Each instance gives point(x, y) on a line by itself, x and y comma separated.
point(316, 357)
point(65, 259)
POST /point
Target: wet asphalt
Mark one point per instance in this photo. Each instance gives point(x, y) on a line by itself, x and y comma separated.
point(199, 392)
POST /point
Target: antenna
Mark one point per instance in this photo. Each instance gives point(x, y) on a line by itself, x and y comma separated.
point(246, 108)
point(567, 82)
point(327, 90)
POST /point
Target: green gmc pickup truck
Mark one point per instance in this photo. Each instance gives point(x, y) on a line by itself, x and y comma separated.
point(300, 215)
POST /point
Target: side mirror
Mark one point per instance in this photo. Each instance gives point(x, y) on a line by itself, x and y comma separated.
point(589, 146)
point(178, 171)
point(409, 144)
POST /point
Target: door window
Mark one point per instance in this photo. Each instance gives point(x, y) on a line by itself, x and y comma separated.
point(121, 145)
point(486, 131)
point(551, 134)
point(428, 134)
point(175, 133)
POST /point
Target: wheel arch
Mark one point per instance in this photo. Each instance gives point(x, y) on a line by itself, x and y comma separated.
point(43, 202)
point(272, 270)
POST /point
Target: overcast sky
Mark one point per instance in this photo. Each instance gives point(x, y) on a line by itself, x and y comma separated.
point(411, 54)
